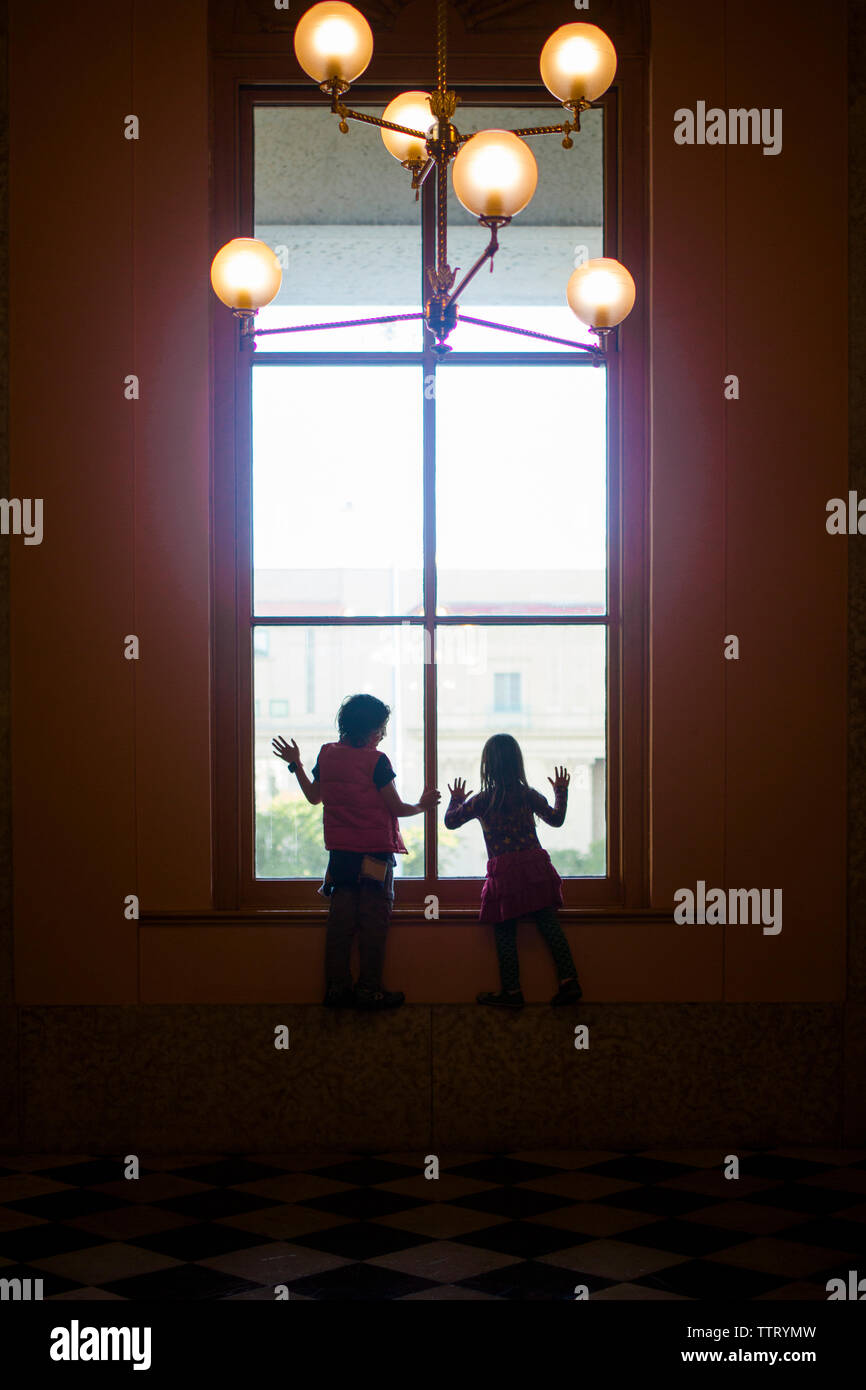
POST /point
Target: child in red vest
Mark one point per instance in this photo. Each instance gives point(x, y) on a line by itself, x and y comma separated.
point(521, 880)
point(355, 784)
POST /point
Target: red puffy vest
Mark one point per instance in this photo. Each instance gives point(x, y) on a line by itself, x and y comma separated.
point(355, 816)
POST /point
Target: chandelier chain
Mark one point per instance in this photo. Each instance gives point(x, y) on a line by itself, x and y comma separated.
point(441, 44)
point(442, 215)
point(441, 160)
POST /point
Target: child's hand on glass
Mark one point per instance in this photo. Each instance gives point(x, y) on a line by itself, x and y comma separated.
point(562, 779)
point(458, 791)
point(429, 797)
point(289, 752)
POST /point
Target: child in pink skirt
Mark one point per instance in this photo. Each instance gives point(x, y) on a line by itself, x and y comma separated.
point(521, 880)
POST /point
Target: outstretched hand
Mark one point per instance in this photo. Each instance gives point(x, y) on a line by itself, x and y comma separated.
point(430, 797)
point(289, 752)
point(562, 779)
point(458, 791)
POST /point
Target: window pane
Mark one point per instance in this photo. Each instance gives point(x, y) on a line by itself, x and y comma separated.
point(562, 227)
point(308, 672)
point(521, 489)
point(558, 716)
point(337, 490)
point(340, 214)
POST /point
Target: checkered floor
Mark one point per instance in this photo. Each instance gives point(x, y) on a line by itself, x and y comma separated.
point(532, 1225)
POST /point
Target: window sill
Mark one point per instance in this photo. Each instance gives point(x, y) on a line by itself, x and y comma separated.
point(294, 917)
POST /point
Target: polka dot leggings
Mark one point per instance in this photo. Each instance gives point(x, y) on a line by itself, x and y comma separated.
point(547, 922)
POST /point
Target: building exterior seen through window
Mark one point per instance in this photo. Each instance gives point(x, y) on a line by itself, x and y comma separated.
point(506, 691)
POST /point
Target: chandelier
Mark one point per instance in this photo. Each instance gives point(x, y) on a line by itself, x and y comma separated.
point(494, 176)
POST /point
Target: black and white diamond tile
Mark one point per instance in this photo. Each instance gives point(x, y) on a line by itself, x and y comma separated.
point(534, 1225)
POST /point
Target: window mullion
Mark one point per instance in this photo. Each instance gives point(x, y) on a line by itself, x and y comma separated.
point(428, 387)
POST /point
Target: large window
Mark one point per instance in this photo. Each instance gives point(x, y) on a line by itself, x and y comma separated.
point(444, 535)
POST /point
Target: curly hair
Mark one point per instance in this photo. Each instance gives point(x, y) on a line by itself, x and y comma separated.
point(359, 716)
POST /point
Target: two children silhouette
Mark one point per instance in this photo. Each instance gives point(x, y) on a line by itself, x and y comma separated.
point(355, 785)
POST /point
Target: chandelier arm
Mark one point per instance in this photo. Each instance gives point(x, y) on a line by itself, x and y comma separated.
point(345, 111)
point(421, 174)
point(588, 348)
point(488, 253)
point(341, 323)
point(542, 130)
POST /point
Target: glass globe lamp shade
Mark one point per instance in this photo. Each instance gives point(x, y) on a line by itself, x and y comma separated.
point(245, 274)
point(333, 40)
point(578, 63)
point(495, 174)
point(411, 109)
point(601, 293)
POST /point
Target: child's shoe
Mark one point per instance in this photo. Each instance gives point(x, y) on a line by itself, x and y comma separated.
point(568, 993)
point(502, 1000)
point(378, 999)
point(338, 997)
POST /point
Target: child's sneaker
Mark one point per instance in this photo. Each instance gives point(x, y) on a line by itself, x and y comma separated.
point(378, 999)
point(337, 997)
point(569, 993)
point(502, 1000)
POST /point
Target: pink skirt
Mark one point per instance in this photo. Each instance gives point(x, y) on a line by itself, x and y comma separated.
point(518, 884)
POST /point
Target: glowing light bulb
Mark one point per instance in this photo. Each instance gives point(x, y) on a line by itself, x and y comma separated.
point(496, 167)
point(579, 57)
point(333, 41)
point(578, 63)
point(601, 292)
point(411, 109)
point(334, 36)
point(495, 174)
point(245, 273)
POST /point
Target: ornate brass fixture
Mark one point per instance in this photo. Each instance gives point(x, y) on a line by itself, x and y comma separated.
point(494, 179)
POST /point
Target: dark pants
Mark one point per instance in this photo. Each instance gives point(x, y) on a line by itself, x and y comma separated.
point(547, 922)
point(365, 908)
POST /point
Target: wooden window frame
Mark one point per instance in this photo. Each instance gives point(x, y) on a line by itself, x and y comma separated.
point(627, 884)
